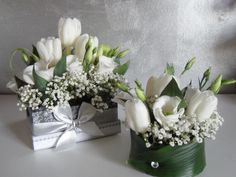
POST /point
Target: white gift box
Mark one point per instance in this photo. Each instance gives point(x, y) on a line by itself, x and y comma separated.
point(105, 122)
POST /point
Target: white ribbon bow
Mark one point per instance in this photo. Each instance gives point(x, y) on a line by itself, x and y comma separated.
point(63, 115)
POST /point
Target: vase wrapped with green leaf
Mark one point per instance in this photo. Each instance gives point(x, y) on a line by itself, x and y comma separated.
point(167, 161)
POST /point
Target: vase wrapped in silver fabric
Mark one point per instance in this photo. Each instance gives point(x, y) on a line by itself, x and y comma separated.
point(50, 129)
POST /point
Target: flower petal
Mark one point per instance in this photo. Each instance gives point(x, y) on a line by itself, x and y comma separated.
point(28, 74)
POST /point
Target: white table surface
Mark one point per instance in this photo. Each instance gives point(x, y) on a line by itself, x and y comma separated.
point(104, 157)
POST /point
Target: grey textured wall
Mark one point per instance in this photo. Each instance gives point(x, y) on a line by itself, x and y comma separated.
point(156, 31)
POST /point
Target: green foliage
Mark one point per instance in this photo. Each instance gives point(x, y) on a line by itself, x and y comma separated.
point(40, 83)
point(228, 82)
point(60, 67)
point(122, 54)
point(189, 65)
point(139, 91)
point(19, 82)
point(182, 104)
point(172, 89)
point(123, 87)
point(88, 57)
point(121, 69)
point(169, 69)
point(216, 84)
point(205, 78)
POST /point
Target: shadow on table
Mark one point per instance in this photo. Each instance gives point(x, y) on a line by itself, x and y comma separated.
point(113, 148)
point(21, 130)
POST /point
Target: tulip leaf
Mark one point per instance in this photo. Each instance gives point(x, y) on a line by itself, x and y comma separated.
point(19, 82)
point(60, 67)
point(172, 89)
point(121, 69)
point(40, 83)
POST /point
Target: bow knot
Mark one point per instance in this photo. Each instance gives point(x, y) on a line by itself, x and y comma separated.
point(65, 122)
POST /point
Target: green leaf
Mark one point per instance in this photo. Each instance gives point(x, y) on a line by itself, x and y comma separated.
point(103, 49)
point(122, 53)
point(19, 82)
point(40, 83)
point(121, 69)
point(60, 67)
point(228, 82)
point(35, 51)
point(139, 91)
point(169, 69)
point(172, 89)
point(123, 87)
point(115, 51)
point(182, 104)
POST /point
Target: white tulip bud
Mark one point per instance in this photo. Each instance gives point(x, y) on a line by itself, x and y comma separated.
point(49, 50)
point(69, 29)
point(137, 115)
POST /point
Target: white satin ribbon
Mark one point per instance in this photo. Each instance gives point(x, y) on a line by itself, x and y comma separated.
point(63, 115)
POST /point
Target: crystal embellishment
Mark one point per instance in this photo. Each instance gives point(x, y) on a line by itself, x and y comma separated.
point(154, 164)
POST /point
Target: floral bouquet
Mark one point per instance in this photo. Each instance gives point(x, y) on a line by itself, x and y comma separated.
point(169, 124)
point(67, 86)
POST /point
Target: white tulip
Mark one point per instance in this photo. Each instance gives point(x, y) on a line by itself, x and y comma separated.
point(69, 29)
point(44, 72)
point(200, 104)
point(73, 64)
point(28, 75)
point(12, 85)
point(165, 110)
point(41, 70)
point(156, 85)
point(49, 50)
point(106, 65)
point(80, 45)
point(137, 115)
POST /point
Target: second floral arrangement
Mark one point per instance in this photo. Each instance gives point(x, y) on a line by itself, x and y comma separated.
point(169, 123)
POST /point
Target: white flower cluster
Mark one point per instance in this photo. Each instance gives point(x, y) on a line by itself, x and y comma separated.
point(171, 116)
point(96, 88)
point(29, 97)
point(184, 131)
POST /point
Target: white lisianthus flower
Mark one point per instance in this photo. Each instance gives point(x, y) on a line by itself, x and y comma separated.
point(68, 30)
point(156, 85)
point(106, 65)
point(165, 110)
point(41, 70)
point(200, 104)
point(80, 45)
point(73, 64)
point(12, 85)
point(50, 50)
point(137, 115)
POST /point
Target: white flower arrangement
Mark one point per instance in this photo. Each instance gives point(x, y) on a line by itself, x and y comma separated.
point(168, 115)
point(72, 68)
